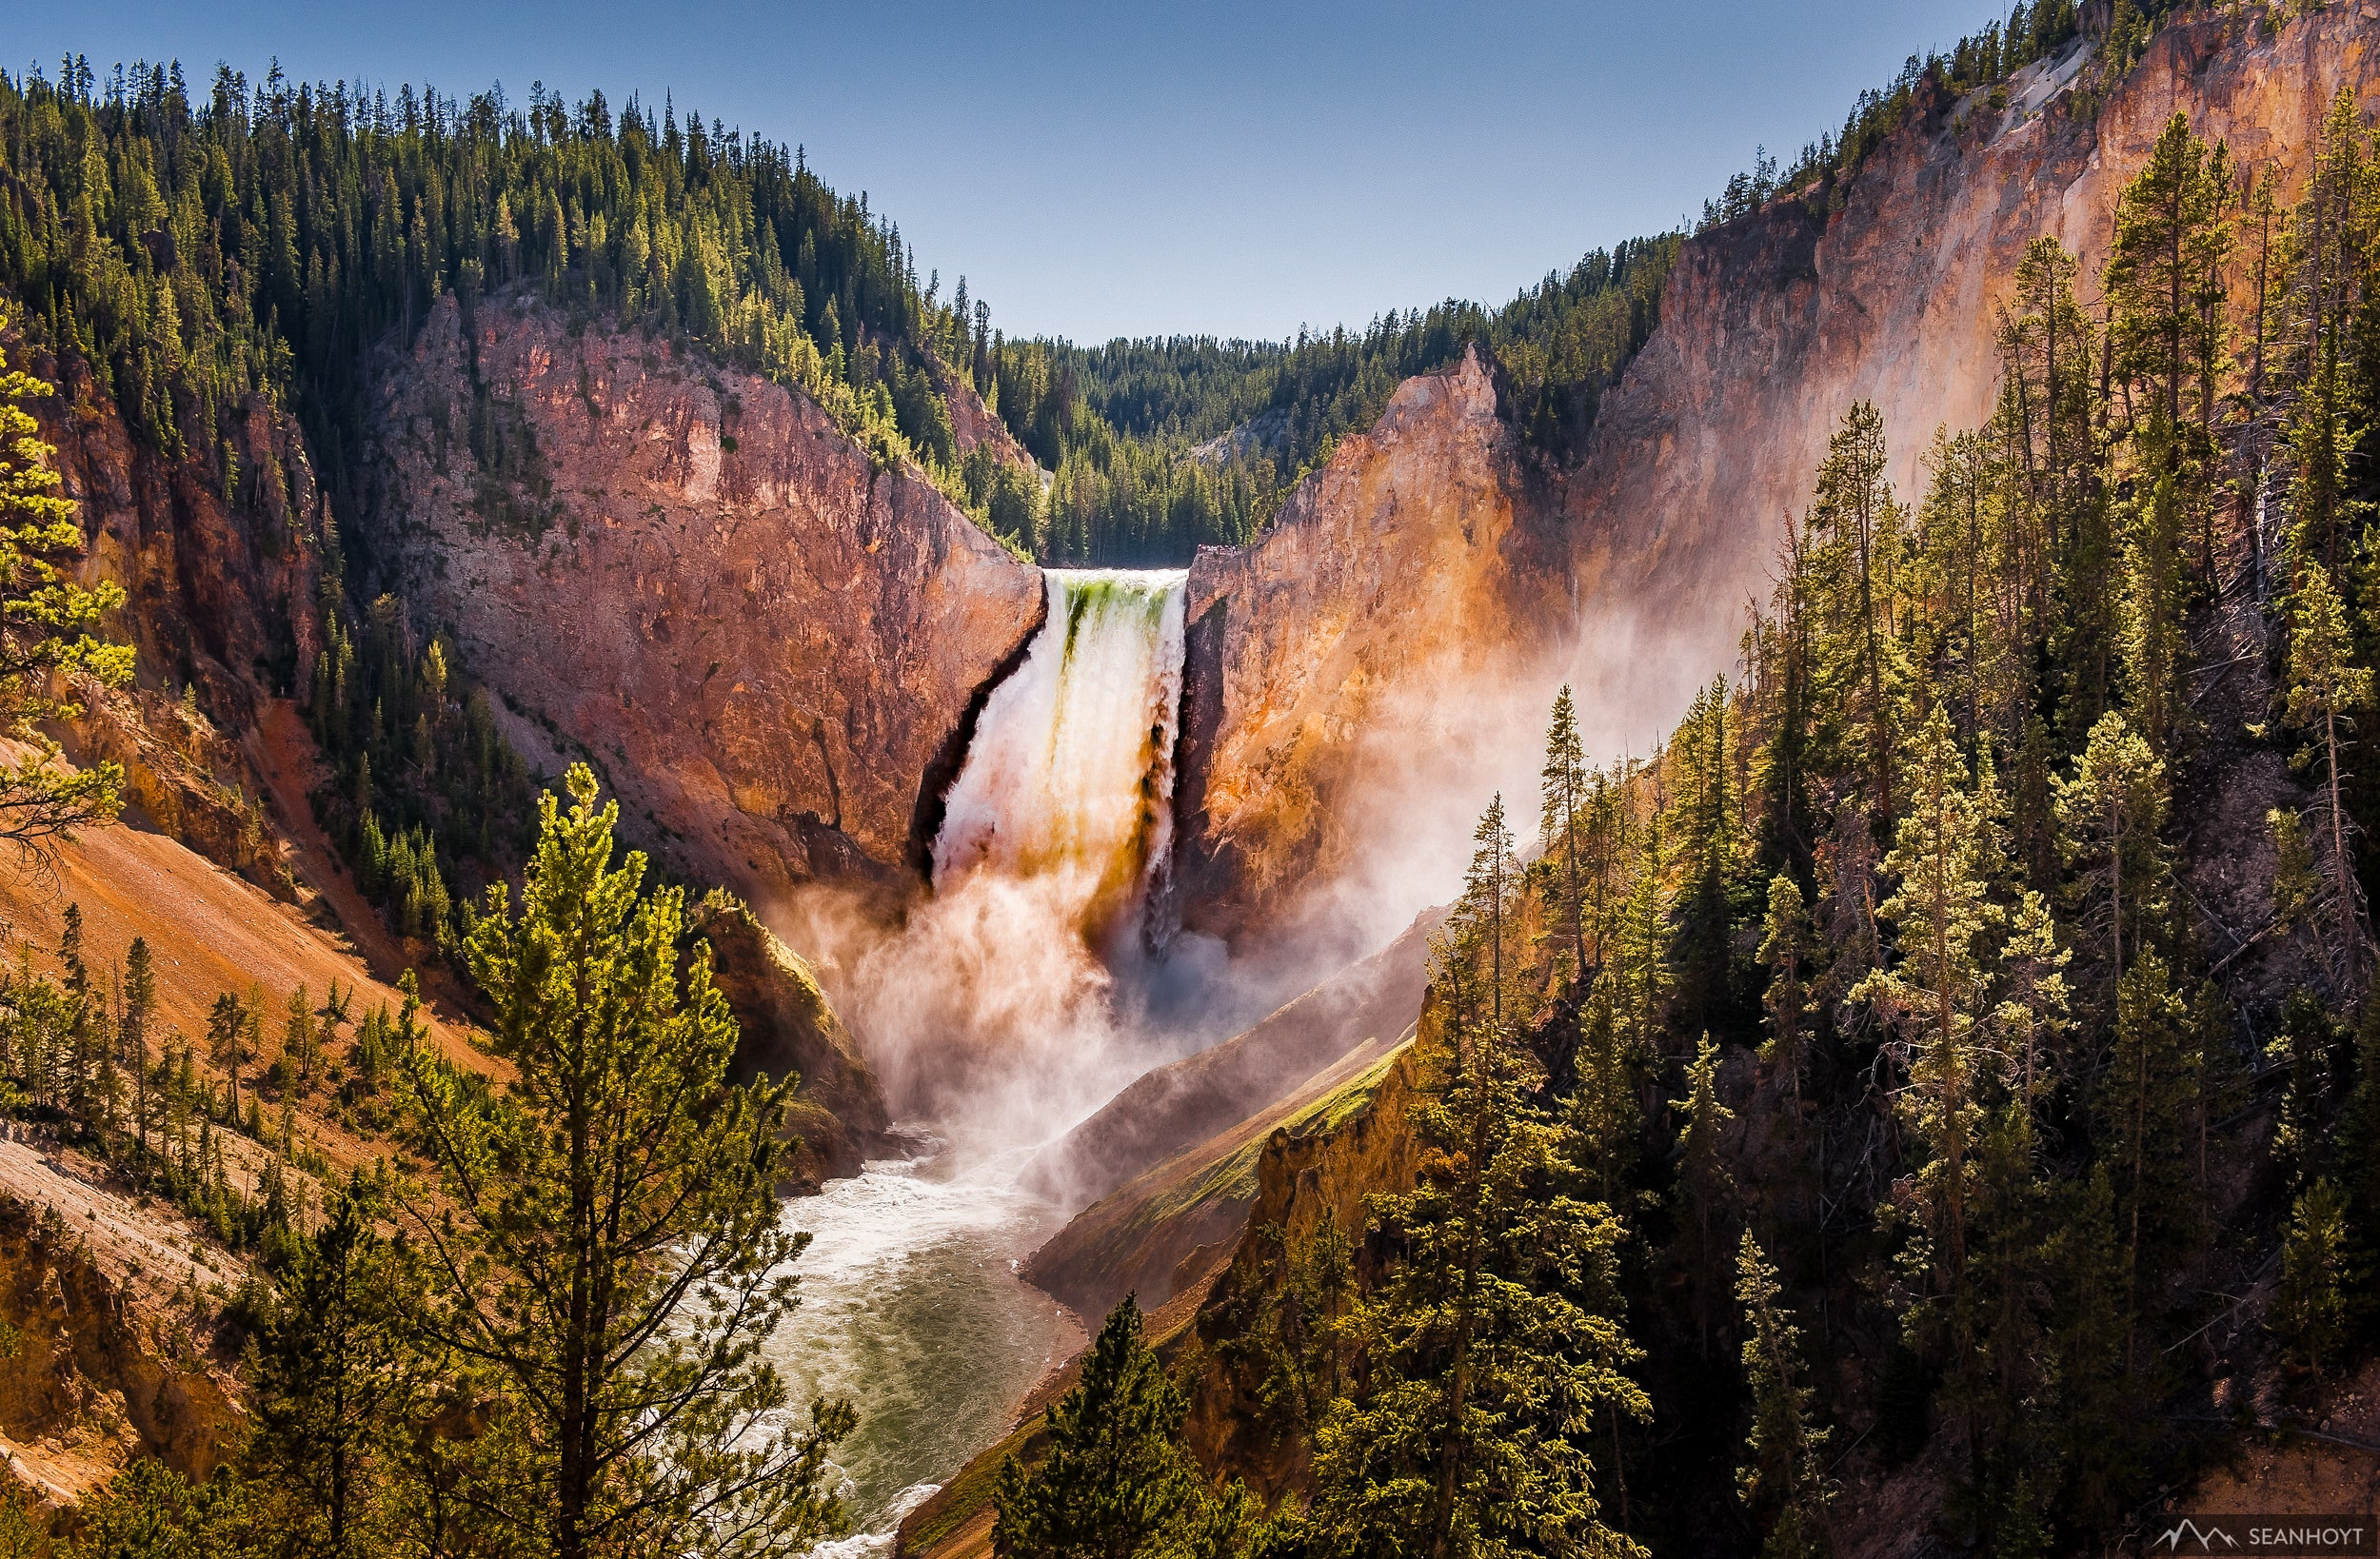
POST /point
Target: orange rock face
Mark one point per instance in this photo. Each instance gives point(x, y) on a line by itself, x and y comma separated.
point(691, 577)
point(1773, 327)
point(1327, 656)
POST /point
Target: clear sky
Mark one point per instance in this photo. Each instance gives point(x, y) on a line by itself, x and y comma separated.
point(1105, 170)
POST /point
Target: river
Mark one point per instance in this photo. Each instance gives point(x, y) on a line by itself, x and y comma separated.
point(912, 1308)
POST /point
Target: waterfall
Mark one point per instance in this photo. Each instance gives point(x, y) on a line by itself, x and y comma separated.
point(1070, 776)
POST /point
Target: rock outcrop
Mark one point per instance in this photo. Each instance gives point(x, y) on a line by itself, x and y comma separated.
point(1262, 1070)
point(788, 1025)
point(1302, 1179)
point(1162, 1231)
point(772, 650)
point(100, 1366)
point(1331, 651)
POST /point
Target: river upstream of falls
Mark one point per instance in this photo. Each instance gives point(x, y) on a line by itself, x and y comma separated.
point(1061, 815)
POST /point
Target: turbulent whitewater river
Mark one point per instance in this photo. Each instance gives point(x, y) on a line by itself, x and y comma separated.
point(911, 1307)
point(992, 1016)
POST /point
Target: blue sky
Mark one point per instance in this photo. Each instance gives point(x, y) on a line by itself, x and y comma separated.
point(1097, 171)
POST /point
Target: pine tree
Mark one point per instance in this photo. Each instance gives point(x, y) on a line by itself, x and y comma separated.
point(1563, 787)
point(1638, 970)
point(2331, 237)
point(1781, 654)
point(336, 1377)
point(150, 1511)
point(2109, 815)
point(1934, 995)
point(1707, 811)
point(1485, 926)
point(2004, 1371)
point(1604, 1113)
point(1855, 538)
point(2094, 1440)
point(2318, 1274)
point(139, 1009)
point(2147, 1098)
point(1962, 529)
point(1114, 1483)
point(1786, 951)
point(2062, 541)
point(2325, 690)
point(1785, 1480)
point(2163, 281)
point(1706, 1188)
point(225, 1024)
point(299, 1047)
point(2032, 1014)
point(1496, 1337)
point(1299, 1308)
point(52, 626)
point(2301, 1145)
point(608, 1238)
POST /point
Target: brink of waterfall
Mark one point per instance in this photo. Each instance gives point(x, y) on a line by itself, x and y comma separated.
point(1070, 776)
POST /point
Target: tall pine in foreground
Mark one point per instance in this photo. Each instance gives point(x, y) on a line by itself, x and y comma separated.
point(607, 1237)
point(1114, 1483)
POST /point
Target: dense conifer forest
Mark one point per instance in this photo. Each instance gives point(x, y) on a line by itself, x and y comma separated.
point(198, 243)
point(197, 247)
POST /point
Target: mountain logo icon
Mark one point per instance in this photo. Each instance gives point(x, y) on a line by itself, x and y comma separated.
point(2188, 1531)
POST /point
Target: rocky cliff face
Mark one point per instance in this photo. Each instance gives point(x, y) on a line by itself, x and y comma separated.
point(1399, 631)
point(788, 1025)
point(1774, 325)
point(771, 650)
point(1326, 655)
point(106, 1358)
point(1303, 1179)
point(1183, 1103)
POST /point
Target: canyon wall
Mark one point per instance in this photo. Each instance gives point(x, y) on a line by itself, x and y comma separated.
point(1773, 327)
point(219, 582)
point(1348, 643)
point(771, 650)
point(1368, 671)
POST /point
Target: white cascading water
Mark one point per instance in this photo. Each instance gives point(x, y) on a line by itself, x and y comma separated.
point(1071, 772)
point(990, 1020)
